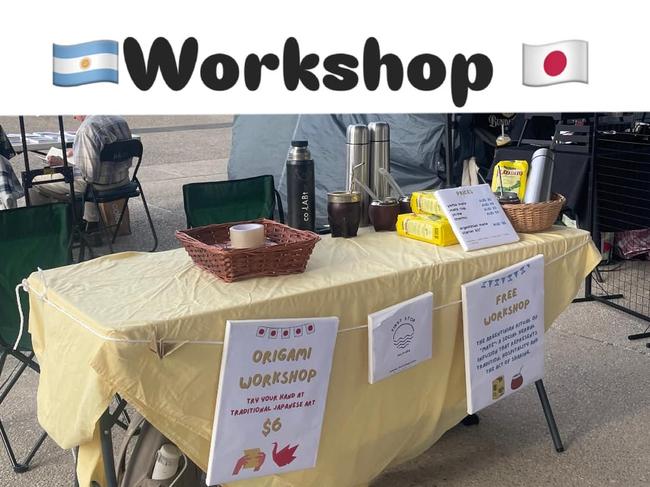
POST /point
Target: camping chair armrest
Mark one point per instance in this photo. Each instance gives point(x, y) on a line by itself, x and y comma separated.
point(278, 199)
point(28, 176)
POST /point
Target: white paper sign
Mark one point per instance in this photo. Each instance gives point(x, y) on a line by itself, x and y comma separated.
point(503, 323)
point(271, 397)
point(400, 337)
point(476, 217)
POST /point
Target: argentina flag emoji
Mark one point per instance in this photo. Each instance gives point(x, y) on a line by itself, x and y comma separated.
point(81, 64)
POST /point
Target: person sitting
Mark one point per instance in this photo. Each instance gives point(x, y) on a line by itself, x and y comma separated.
point(10, 188)
point(94, 133)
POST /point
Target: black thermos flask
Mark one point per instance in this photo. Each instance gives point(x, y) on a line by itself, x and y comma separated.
point(300, 187)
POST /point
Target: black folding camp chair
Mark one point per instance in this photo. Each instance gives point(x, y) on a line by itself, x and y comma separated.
point(37, 236)
point(116, 152)
point(231, 201)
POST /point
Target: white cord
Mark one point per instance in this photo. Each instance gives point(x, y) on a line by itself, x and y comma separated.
point(25, 287)
point(362, 327)
point(181, 472)
point(20, 312)
point(109, 338)
point(44, 298)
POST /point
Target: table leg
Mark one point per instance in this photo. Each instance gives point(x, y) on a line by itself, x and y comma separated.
point(75, 454)
point(548, 412)
point(106, 438)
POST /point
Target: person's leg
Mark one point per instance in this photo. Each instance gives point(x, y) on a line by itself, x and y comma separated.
point(90, 211)
point(48, 193)
point(8, 203)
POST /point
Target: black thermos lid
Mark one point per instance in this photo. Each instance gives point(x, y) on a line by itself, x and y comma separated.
point(299, 143)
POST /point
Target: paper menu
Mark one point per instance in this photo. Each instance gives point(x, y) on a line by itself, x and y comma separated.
point(476, 217)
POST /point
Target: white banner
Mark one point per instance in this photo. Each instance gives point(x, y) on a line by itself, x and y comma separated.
point(503, 325)
point(400, 337)
point(438, 44)
point(271, 398)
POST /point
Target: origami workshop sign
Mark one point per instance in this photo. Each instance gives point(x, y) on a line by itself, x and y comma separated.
point(503, 323)
point(400, 337)
point(271, 398)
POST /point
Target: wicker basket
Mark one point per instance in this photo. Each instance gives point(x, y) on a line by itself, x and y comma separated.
point(535, 217)
point(286, 252)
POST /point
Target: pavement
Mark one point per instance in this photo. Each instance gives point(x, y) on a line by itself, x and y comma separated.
point(598, 382)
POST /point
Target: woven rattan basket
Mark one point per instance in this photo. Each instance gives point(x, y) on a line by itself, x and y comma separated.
point(535, 217)
point(286, 252)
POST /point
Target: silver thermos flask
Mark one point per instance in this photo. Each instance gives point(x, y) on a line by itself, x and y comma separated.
point(357, 165)
point(540, 177)
point(301, 204)
point(379, 158)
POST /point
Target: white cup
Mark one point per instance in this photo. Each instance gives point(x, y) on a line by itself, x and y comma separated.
point(247, 236)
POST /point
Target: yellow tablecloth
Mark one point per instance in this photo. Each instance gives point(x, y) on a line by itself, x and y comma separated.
point(90, 336)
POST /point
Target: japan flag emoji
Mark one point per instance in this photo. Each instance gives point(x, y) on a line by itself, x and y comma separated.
point(559, 62)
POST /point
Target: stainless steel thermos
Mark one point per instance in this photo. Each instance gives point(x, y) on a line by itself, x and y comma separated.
point(540, 177)
point(379, 158)
point(301, 204)
point(357, 165)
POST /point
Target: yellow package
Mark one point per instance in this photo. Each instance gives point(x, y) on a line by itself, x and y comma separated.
point(513, 174)
point(427, 228)
point(425, 202)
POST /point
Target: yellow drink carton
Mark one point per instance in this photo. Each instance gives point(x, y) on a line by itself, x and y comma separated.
point(425, 202)
point(426, 228)
point(513, 175)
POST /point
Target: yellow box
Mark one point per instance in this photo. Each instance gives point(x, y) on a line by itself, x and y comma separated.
point(425, 202)
point(427, 228)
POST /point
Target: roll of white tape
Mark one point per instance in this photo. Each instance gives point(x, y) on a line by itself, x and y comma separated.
point(247, 236)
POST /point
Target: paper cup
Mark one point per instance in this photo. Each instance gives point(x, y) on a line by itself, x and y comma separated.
point(247, 236)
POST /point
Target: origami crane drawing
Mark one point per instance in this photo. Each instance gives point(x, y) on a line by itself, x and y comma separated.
point(284, 456)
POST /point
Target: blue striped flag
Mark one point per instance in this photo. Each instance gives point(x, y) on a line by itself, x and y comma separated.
point(81, 64)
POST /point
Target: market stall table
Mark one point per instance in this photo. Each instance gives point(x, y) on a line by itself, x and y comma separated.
point(40, 142)
point(92, 325)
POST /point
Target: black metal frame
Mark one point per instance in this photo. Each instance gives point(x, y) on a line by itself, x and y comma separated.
point(119, 151)
point(603, 121)
point(557, 117)
point(26, 361)
point(66, 171)
point(106, 423)
point(450, 127)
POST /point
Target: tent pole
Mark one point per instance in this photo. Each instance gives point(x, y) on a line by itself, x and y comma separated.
point(449, 150)
point(23, 139)
point(68, 173)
